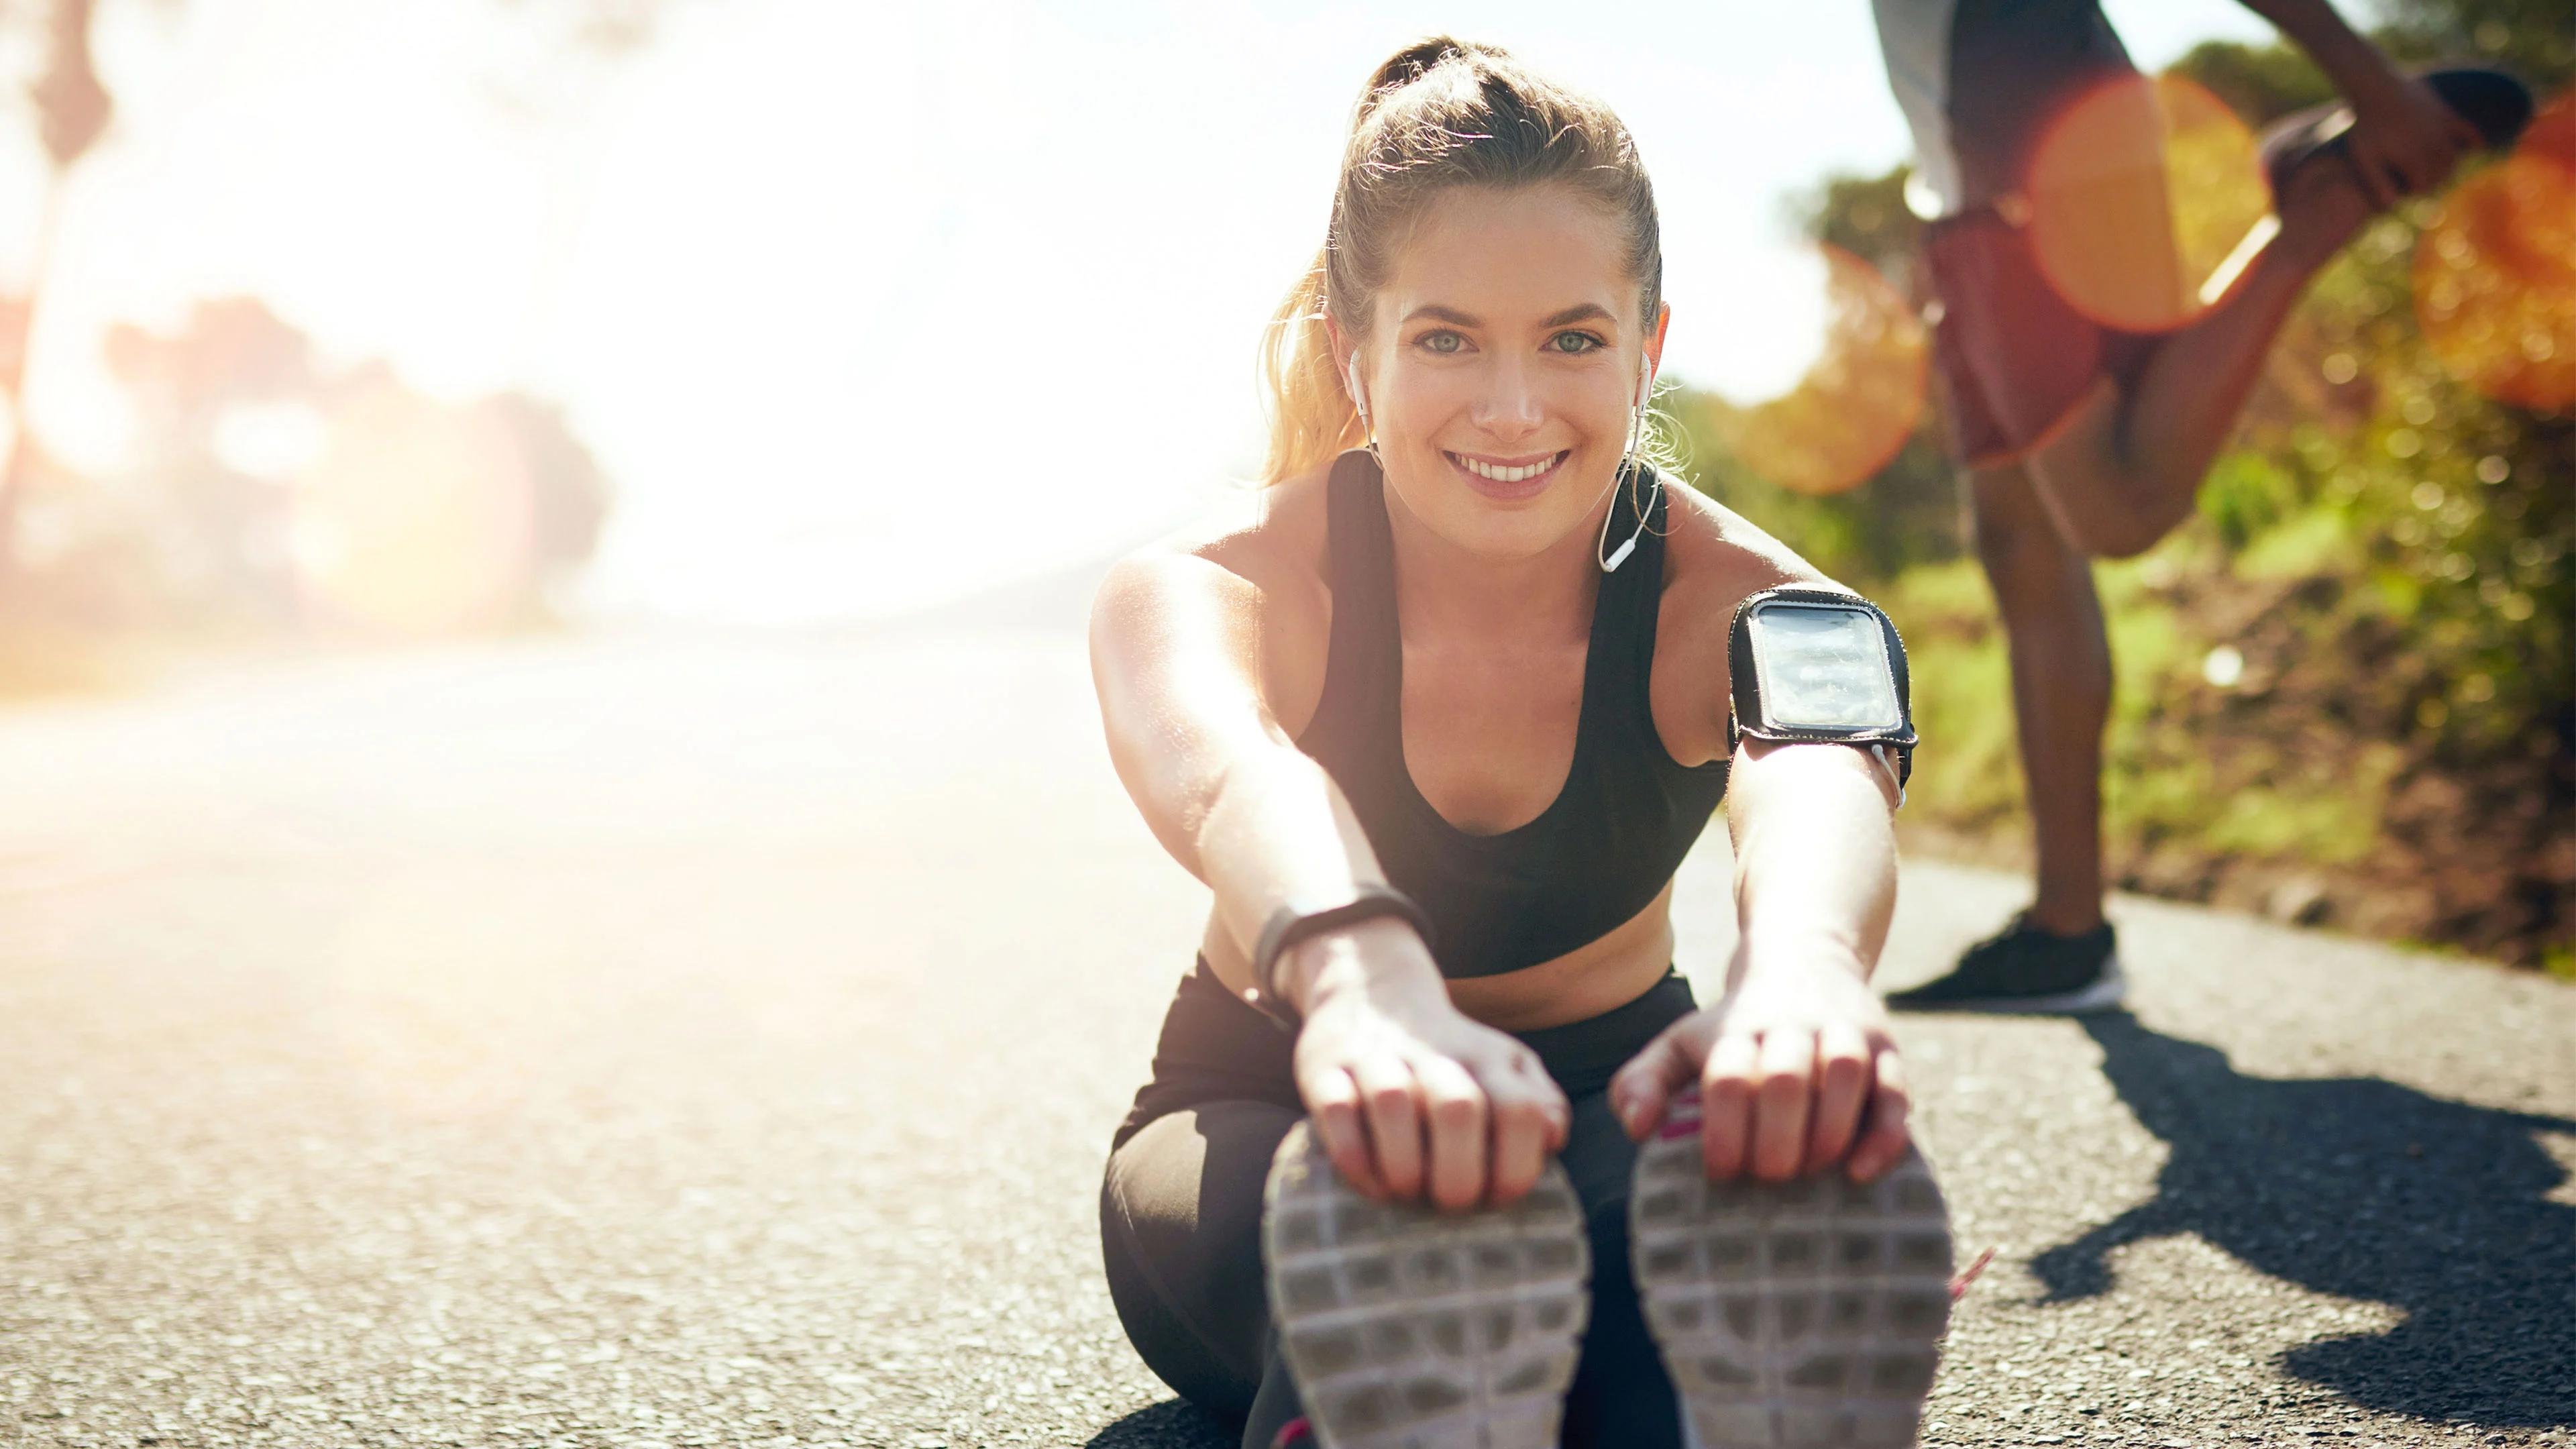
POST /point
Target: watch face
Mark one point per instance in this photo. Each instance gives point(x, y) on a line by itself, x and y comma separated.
point(1822, 667)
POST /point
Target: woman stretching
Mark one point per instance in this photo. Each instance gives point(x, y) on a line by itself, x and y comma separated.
point(1436, 720)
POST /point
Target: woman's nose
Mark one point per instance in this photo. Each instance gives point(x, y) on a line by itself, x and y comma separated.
point(1509, 406)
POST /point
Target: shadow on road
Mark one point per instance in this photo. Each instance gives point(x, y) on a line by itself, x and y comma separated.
point(1170, 1424)
point(2368, 1190)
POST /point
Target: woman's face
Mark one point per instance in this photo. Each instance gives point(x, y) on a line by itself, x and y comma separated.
point(1502, 362)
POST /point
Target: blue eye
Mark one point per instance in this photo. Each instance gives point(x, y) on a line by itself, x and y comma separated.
point(1444, 342)
point(1576, 343)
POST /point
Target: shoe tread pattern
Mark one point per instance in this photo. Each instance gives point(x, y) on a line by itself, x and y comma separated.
point(1407, 1328)
point(1792, 1315)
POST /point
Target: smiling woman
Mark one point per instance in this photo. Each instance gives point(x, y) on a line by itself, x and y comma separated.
point(1437, 721)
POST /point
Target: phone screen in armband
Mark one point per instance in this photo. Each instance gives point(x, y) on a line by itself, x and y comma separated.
point(1823, 667)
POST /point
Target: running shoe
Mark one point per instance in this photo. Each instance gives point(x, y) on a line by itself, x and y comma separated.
point(2025, 969)
point(1407, 1328)
point(1790, 1314)
point(2498, 105)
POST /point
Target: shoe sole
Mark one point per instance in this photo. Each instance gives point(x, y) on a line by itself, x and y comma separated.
point(1791, 1314)
point(2105, 993)
point(1407, 1328)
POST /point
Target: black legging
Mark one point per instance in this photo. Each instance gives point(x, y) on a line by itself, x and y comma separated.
point(1180, 1214)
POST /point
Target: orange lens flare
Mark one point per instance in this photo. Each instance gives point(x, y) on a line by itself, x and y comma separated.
point(1856, 405)
point(2147, 197)
point(415, 521)
point(2495, 272)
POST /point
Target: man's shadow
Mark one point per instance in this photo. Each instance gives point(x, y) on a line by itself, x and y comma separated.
point(2363, 1189)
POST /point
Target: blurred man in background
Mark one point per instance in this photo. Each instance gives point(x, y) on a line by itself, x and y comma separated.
point(2086, 399)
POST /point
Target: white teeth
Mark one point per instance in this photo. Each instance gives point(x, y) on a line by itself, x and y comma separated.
point(1505, 475)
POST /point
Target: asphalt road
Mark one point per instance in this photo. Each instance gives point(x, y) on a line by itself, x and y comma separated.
point(714, 1040)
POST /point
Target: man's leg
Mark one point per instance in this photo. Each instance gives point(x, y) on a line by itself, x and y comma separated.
point(2126, 467)
point(2061, 681)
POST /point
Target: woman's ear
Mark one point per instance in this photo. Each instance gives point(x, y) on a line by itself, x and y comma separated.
point(1342, 345)
point(1655, 339)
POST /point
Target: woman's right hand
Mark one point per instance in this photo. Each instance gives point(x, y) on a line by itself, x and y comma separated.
point(1412, 1099)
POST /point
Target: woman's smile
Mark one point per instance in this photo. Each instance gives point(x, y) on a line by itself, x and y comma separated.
point(1508, 479)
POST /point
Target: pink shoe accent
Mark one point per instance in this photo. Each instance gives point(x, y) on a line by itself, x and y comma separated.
point(1681, 1119)
point(1959, 1285)
point(1292, 1434)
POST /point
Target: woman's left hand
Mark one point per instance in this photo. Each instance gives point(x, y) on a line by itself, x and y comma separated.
point(1796, 1070)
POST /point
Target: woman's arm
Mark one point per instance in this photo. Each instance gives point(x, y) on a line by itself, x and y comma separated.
point(1410, 1097)
point(1176, 658)
point(1796, 1067)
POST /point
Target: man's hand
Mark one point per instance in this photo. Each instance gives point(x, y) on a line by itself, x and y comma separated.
point(1796, 1071)
point(2404, 140)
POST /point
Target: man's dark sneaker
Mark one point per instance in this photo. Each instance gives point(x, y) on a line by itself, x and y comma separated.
point(2023, 968)
point(2498, 105)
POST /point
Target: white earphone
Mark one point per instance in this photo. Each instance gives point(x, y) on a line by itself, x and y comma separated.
point(1628, 465)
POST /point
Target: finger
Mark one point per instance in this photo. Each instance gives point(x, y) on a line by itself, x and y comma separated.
point(1781, 1106)
point(1644, 1088)
point(1523, 1126)
point(2393, 185)
point(1726, 1104)
point(1885, 1135)
point(1527, 1076)
point(2371, 174)
point(1393, 1114)
point(2426, 168)
point(1333, 1107)
point(1453, 1110)
point(1843, 1084)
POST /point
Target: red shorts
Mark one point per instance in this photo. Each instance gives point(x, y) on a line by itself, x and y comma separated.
point(2010, 358)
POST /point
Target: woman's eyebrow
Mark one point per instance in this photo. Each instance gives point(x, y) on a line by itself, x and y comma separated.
point(1584, 312)
point(1588, 312)
point(1438, 313)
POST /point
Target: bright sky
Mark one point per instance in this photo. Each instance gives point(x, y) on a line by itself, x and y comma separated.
point(869, 303)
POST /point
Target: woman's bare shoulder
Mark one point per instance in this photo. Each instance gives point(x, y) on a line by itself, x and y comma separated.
point(1252, 570)
point(1267, 538)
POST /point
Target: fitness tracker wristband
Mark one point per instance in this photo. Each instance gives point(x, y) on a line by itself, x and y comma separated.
point(1816, 666)
point(1293, 923)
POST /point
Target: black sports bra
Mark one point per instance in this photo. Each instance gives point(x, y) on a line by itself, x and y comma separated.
point(1600, 852)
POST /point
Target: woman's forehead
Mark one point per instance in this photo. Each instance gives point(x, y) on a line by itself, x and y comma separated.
point(1511, 257)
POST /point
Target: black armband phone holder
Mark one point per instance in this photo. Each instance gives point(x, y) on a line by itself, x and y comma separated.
point(1293, 923)
point(1813, 666)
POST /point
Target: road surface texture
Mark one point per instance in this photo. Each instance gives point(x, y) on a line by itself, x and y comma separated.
point(714, 1040)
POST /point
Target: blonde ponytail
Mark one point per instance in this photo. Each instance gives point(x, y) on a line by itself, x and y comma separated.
point(1312, 418)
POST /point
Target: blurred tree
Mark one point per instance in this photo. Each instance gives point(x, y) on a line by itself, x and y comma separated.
point(2534, 38)
point(568, 491)
point(1908, 512)
point(72, 111)
point(217, 530)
